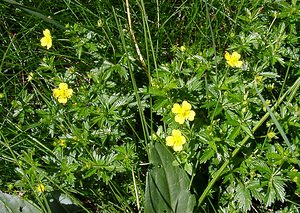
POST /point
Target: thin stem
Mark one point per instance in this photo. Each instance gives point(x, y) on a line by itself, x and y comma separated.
point(134, 39)
point(136, 191)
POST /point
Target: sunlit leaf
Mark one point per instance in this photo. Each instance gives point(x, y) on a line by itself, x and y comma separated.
point(167, 186)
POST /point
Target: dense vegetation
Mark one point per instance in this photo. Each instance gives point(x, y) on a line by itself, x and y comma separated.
point(149, 106)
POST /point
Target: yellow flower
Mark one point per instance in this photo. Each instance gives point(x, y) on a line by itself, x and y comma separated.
point(62, 93)
point(183, 112)
point(271, 135)
point(234, 59)
point(30, 76)
point(183, 48)
point(176, 140)
point(40, 187)
point(47, 39)
point(62, 142)
point(258, 78)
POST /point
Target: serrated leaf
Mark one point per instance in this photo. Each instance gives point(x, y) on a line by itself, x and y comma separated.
point(208, 154)
point(243, 197)
point(12, 204)
point(167, 186)
point(270, 196)
point(275, 190)
point(247, 130)
point(279, 184)
point(256, 190)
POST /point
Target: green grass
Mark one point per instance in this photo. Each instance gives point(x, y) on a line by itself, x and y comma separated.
point(240, 155)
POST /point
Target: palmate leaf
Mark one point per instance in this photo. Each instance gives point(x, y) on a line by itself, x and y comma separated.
point(167, 186)
point(243, 197)
point(12, 204)
point(275, 190)
point(256, 190)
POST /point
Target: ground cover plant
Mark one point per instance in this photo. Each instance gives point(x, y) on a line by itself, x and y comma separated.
point(149, 106)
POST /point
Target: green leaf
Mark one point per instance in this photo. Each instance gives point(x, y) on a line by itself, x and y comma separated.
point(278, 183)
point(243, 197)
point(59, 202)
point(12, 204)
point(208, 154)
point(270, 196)
point(256, 190)
point(247, 130)
point(275, 190)
point(167, 186)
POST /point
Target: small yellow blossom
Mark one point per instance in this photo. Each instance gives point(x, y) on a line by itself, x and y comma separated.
point(271, 135)
point(258, 78)
point(40, 187)
point(234, 59)
point(183, 48)
point(61, 142)
point(62, 93)
point(268, 103)
point(30, 76)
point(176, 140)
point(71, 70)
point(47, 39)
point(270, 87)
point(183, 112)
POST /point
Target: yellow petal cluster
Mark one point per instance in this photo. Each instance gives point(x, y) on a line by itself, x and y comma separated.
point(233, 59)
point(176, 140)
point(30, 76)
point(46, 41)
point(62, 93)
point(183, 112)
point(40, 187)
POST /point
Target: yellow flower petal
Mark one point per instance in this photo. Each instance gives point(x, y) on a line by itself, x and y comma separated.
point(176, 140)
point(40, 187)
point(234, 59)
point(47, 39)
point(176, 108)
point(179, 119)
point(30, 76)
point(69, 93)
point(227, 56)
point(56, 93)
point(63, 86)
point(236, 56)
point(183, 112)
point(178, 148)
point(62, 100)
point(62, 93)
point(239, 64)
point(46, 32)
point(170, 141)
point(191, 115)
point(176, 132)
point(186, 105)
point(43, 41)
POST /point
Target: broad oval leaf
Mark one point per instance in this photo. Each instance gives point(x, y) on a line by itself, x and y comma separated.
point(12, 204)
point(167, 186)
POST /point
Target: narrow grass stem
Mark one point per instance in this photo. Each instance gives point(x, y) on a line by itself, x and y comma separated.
point(7, 49)
point(140, 108)
point(134, 39)
point(136, 191)
point(218, 173)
